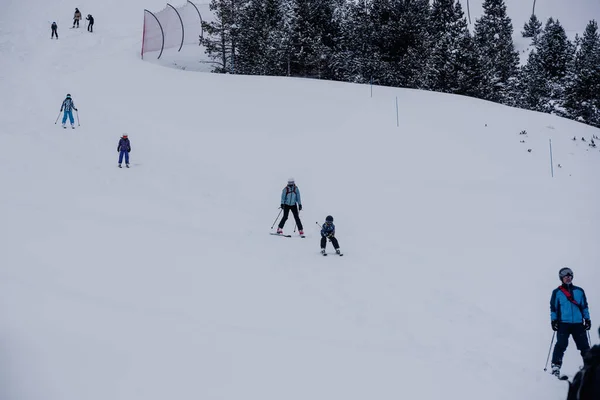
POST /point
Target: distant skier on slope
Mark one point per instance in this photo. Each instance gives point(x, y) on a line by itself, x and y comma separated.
point(68, 106)
point(569, 315)
point(124, 147)
point(76, 17)
point(290, 200)
point(328, 232)
point(90, 27)
point(54, 29)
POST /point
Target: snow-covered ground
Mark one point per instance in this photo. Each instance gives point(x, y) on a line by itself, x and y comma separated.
point(162, 282)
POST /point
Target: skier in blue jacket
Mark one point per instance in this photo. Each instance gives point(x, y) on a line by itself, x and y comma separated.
point(68, 105)
point(124, 147)
point(569, 315)
point(328, 232)
point(290, 200)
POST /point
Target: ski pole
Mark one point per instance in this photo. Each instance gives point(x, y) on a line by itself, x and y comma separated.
point(57, 117)
point(319, 225)
point(280, 210)
point(547, 358)
point(77, 112)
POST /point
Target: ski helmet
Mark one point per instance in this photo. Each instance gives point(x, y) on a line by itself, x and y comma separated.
point(124, 136)
point(329, 218)
point(566, 271)
point(291, 181)
point(68, 95)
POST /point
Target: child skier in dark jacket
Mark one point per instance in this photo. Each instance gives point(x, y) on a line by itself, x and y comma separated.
point(124, 147)
point(328, 232)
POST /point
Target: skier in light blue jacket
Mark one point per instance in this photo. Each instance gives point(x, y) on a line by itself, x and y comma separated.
point(68, 105)
point(290, 200)
point(569, 316)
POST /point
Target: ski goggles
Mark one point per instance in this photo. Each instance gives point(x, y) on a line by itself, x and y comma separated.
point(565, 272)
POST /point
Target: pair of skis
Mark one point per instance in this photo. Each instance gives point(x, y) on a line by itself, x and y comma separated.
point(302, 236)
point(283, 235)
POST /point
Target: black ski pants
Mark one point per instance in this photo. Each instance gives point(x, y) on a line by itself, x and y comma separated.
point(75, 22)
point(286, 212)
point(54, 32)
point(562, 341)
point(334, 242)
point(90, 27)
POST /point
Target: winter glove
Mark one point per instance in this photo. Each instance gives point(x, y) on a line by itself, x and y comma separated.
point(300, 207)
point(554, 325)
point(281, 206)
point(588, 324)
point(76, 110)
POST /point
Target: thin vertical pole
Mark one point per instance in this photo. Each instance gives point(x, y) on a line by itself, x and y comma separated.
point(397, 116)
point(143, 35)
point(551, 163)
point(371, 86)
point(469, 12)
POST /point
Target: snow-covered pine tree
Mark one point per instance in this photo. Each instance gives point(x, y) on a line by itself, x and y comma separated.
point(260, 43)
point(401, 41)
point(582, 94)
point(532, 28)
point(439, 73)
point(493, 37)
point(354, 56)
point(555, 54)
point(533, 89)
point(312, 31)
point(220, 37)
point(555, 49)
point(466, 61)
point(453, 61)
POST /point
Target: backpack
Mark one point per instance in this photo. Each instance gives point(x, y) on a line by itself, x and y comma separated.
point(287, 190)
point(586, 383)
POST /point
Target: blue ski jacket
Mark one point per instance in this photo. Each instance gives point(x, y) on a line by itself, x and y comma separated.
point(328, 230)
point(290, 195)
point(68, 104)
point(563, 310)
point(124, 145)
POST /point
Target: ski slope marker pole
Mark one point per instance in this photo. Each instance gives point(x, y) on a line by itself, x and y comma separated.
point(397, 117)
point(551, 163)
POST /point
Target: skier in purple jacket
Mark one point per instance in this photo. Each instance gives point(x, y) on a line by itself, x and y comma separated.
point(124, 147)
